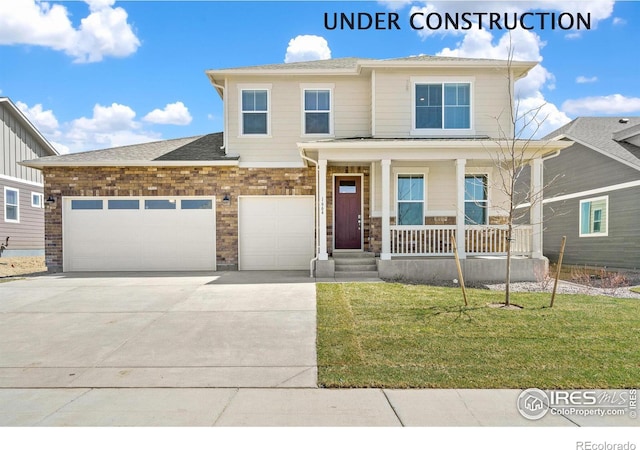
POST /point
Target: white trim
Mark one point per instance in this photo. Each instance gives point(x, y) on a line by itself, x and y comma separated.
point(606, 217)
point(20, 180)
point(602, 190)
point(397, 172)
point(37, 164)
point(253, 87)
point(17, 205)
point(39, 195)
point(317, 87)
point(478, 171)
point(442, 131)
point(333, 237)
point(273, 165)
point(373, 102)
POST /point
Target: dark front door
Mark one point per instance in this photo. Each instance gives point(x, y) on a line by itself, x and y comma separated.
point(348, 210)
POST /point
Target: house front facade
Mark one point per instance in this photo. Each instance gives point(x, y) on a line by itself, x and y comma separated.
point(21, 188)
point(387, 159)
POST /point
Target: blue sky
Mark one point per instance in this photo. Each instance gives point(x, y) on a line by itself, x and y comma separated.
point(96, 74)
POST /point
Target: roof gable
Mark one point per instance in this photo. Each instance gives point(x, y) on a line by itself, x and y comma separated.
point(605, 135)
point(35, 133)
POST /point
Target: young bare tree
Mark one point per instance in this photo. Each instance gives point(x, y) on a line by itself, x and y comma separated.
point(512, 159)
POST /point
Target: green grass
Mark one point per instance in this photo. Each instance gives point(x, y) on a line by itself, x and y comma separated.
point(395, 335)
point(635, 289)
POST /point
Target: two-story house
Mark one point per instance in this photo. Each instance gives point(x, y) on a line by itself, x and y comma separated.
point(22, 198)
point(332, 165)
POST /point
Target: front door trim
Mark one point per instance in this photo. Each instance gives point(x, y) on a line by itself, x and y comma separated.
point(333, 234)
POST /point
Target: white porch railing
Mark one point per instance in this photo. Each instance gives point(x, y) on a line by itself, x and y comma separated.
point(435, 240)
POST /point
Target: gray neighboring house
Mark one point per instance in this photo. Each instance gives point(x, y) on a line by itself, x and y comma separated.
point(21, 188)
point(594, 198)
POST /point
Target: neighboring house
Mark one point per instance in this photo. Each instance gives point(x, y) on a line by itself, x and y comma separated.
point(594, 198)
point(318, 160)
point(21, 188)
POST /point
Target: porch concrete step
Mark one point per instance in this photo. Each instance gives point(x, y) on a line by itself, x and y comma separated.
point(357, 268)
point(350, 255)
point(354, 261)
point(356, 275)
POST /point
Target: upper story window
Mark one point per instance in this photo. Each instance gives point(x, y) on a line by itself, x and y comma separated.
point(594, 217)
point(476, 199)
point(441, 107)
point(255, 111)
point(317, 111)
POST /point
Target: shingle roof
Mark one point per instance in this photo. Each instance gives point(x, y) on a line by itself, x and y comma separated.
point(347, 64)
point(598, 133)
point(195, 148)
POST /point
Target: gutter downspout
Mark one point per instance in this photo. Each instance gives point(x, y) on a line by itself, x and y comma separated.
point(224, 112)
point(317, 218)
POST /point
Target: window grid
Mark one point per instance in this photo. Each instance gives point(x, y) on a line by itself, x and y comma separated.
point(594, 217)
point(476, 199)
point(255, 110)
point(317, 111)
point(410, 199)
point(11, 205)
point(445, 106)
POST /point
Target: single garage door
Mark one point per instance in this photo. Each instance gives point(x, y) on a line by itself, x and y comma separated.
point(139, 233)
point(276, 232)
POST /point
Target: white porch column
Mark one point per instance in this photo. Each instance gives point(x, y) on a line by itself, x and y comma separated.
point(385, 254)
point(322, 210)
point(535, 214)
point(460, 238)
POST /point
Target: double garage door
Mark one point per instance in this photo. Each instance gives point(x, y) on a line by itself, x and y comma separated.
point(179, 233)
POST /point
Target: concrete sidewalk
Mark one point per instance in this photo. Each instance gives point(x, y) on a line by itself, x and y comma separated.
point(274, 407)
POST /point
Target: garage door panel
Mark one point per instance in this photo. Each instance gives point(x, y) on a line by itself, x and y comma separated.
point(276, 232)
point(142, 239)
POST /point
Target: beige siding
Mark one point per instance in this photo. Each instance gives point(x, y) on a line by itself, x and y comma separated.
point(393, 104)
point(351, 109)
point(441, 186)
point(17, 144)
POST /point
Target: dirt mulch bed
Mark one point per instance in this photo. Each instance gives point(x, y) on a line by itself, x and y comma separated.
point(22, 266)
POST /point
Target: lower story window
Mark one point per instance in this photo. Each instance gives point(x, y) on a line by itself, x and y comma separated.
point(410, 200)
point(594, 217)
point(11, 205)
point(476, 200)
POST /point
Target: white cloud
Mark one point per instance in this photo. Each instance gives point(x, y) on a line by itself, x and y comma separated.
point(44, 120)
point(307, 48)
point(619, 21)
point(582, 79)
point(525, 46)
point(602, 105)
point(109, 126)
point(172, 114)
point(104, 32)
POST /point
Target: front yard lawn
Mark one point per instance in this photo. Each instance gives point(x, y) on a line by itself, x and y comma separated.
point(396, 335)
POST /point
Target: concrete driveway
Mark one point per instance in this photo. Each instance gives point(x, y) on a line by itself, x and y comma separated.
point(222, 329)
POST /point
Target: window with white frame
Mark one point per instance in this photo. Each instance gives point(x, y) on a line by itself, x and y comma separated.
point(442, 106)
point(317, 111)
point(11, 205)
point(410, 200)
point(476, 199)
point(37, 200)
point(255, 111)
point(594, 217)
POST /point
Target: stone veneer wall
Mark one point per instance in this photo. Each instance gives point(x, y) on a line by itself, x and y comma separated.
point(167, 181)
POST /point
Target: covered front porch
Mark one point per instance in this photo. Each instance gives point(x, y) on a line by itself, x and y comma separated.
point(441, 209)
